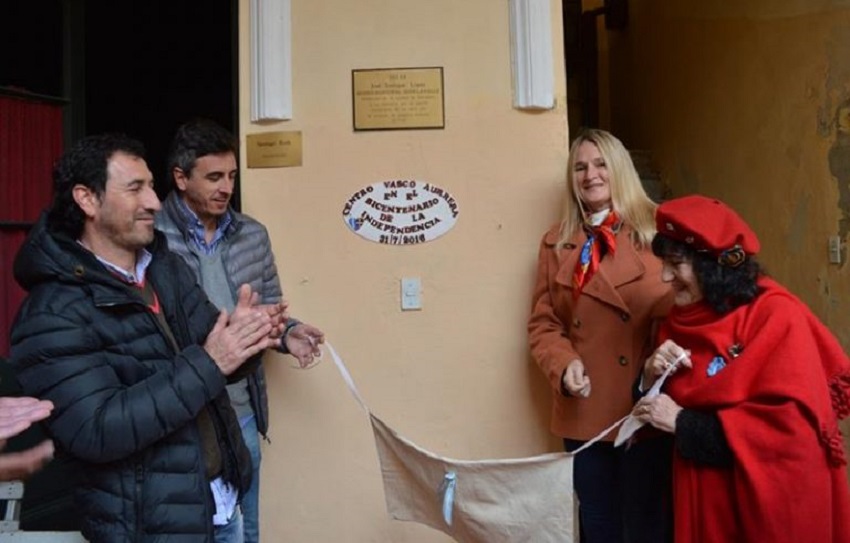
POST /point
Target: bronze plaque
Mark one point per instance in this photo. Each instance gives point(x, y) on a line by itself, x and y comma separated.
point(274, 150)
point(398, 98)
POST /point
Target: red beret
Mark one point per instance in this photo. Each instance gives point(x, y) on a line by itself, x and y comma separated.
point(706, 224)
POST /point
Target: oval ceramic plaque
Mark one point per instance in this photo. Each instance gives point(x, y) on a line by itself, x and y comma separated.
point(400, 212)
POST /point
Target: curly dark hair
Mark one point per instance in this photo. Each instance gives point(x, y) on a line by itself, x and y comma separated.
point(84, 164)
point(196, 139)
point(723, 287)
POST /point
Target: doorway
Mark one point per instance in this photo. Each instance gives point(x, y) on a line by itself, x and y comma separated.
point(151, 65)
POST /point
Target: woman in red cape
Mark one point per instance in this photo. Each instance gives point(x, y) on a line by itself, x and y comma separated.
point(755, 392)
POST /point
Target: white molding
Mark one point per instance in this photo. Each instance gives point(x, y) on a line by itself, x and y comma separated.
point(271, 60)
point(531, 54)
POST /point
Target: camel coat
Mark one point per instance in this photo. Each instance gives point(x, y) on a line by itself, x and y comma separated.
point(609, 327)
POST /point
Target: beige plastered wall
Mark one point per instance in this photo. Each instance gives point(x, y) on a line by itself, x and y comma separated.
point(454, 377)
point(748, 102)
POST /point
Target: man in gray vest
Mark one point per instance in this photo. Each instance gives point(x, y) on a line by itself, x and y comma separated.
point(227, 249)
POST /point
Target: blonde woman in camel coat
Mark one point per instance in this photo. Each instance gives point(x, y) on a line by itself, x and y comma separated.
point(597, 300)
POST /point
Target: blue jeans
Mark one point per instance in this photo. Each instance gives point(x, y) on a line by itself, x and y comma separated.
point(230, 532)
point(251, 498)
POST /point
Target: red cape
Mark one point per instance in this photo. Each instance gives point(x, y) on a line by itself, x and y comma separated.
point(779, 401)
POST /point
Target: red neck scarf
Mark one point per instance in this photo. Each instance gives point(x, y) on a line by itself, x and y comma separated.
point(601, 239)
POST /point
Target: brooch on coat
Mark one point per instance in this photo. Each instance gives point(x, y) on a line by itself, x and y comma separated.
point(718, 362)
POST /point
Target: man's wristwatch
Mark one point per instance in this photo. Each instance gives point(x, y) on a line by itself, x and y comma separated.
point(290, 324)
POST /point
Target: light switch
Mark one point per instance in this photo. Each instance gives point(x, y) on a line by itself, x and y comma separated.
point(411, 293)
point(835, 249)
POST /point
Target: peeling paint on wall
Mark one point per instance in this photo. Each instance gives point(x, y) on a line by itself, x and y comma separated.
point(836, 78)
point(837, 110)
point(827, 293)
point(839, 165)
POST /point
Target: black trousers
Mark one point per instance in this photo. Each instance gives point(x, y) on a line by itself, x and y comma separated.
point(624, 493)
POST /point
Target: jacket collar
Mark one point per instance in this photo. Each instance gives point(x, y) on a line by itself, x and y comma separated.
point(171, 208)
point(614, 271)
point(47, 257)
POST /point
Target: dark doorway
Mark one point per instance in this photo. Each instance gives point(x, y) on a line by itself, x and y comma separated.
point(581, 58)
point(136, 66)
point(153, 64)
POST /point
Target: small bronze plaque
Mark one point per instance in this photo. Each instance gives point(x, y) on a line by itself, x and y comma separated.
point(274, 150)
point(398, 99)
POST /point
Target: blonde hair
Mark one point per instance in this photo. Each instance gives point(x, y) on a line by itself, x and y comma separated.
point(628, 198)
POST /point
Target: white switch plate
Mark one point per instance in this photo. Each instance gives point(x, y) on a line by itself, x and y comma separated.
point(835, 249)
point(411, 293)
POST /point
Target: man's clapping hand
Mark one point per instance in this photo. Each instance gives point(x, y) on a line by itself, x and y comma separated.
point(246, 332)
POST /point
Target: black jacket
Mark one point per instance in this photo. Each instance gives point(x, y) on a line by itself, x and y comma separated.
point(126, 404)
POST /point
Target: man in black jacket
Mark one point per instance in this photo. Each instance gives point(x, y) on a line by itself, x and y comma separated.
point(117, 334)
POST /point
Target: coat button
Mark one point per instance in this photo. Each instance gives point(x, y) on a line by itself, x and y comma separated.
point(577, 322)
point(624, 316)
point(623, 361)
